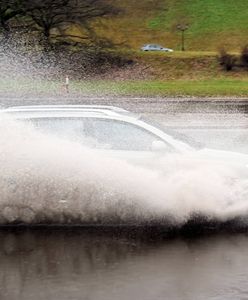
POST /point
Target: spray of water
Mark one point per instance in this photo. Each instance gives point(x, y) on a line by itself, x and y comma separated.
point(44, 179)
point(29, 71)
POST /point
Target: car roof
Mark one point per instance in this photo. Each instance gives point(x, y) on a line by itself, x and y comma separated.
point(29, 111)
point(155, 45)
point(65, 107)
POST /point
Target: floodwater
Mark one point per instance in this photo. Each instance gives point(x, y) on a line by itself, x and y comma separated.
point(197, 262)
point(79, 264)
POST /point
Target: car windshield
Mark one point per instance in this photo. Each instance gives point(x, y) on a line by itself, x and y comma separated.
point(121, 135)
point(175, 134)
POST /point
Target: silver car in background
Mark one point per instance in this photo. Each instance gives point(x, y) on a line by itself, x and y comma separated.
point(155, 47)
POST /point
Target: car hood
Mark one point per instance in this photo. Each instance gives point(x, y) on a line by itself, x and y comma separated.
point(227, 157)
point(228, 163)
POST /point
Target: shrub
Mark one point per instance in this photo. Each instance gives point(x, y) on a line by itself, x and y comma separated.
point(244, 57)
point(228, 61)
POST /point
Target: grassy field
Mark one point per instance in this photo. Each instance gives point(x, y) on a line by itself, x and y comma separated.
point(212, 23)
point(203, 88)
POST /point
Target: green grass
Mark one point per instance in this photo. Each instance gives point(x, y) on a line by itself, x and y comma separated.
point(204, 88)
point(223, 87)
point(204, 16)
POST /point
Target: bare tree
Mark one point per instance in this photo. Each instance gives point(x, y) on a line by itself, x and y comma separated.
point(56, 16)
point(42, 31)
point(9, 9)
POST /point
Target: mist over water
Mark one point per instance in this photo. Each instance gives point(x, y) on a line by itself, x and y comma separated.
point(45, 179)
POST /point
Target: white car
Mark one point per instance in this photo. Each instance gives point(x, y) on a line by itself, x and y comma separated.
point(118, 133)
point(154, 47)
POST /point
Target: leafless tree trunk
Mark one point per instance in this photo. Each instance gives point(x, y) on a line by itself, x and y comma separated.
point(50, 16)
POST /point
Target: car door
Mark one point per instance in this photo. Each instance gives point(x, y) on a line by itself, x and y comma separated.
point(124, 140)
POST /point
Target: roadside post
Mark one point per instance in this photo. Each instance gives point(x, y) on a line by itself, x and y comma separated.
point(67, 84)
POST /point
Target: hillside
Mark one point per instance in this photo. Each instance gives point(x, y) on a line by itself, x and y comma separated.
point(212, 23)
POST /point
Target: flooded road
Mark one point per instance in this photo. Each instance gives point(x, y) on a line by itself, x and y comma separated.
point(97, 266)
point(91, 265)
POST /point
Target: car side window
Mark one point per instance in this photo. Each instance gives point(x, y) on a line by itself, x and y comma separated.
point(71, 129)
point(60, 127)
point(119, 135)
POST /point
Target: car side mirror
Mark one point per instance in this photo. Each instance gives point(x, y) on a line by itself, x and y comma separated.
point(159, 146)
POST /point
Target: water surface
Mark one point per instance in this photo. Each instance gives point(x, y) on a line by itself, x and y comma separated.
point(93, 265)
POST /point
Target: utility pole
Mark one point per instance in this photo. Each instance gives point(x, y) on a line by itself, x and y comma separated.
point(182, 28)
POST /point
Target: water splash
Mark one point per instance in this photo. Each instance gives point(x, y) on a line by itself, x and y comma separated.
point(45, 179)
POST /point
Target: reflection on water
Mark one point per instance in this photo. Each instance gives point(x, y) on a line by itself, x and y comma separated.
point(89, 265)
